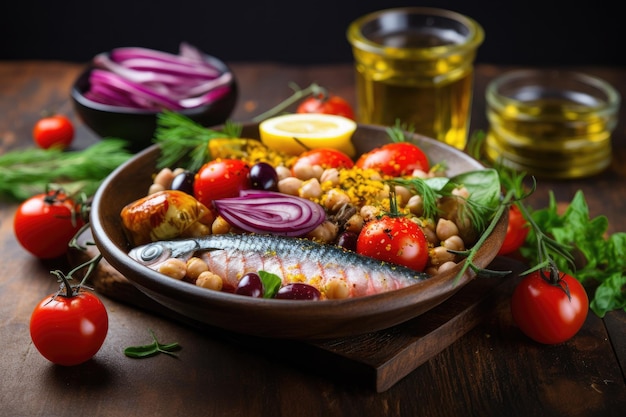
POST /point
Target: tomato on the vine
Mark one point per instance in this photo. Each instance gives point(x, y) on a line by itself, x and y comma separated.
point(549, 306)
point(326, 104)
point(396, 240)
point(69, 327)
point(395, 159)
point(221, 178)
point(44, 224)
point(53, 131)
point(324, 157)
point(516, 231)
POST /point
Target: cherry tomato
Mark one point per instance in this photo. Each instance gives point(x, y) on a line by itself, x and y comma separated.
point(69, 330)
point(395, 159)
point(221, 178)
point(516, 231)
point(45, 223)
point(396, 240)
point(543, 310)
point(330, 104)
point(324, 157)
point(57, 131)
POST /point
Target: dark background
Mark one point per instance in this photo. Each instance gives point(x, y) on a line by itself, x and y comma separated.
point(517, 33)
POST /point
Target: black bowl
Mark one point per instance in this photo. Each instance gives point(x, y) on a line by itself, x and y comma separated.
point(137, 126)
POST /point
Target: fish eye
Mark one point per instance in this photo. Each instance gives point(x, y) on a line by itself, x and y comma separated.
point(151, 252)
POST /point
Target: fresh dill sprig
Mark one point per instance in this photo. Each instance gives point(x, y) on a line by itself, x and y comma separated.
point(419, 187)
point(184, 142)
point(30, 171)
point(400, 132)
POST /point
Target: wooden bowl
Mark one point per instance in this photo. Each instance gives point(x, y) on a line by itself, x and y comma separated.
point(269, 317)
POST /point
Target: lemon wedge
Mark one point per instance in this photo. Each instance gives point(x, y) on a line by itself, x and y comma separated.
point(296, 133)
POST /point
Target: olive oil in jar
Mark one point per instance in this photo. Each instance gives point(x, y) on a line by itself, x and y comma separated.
point(551, 124)
point(415, 66)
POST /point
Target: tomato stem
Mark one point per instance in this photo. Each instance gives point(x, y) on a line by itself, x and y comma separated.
point(72, 290)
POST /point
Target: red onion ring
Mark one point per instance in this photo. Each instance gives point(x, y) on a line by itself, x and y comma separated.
point(271, 212)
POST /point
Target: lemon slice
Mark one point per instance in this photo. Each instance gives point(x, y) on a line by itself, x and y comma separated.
point(296, 133)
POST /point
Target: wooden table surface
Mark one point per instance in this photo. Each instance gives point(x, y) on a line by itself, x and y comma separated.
point(493, 370)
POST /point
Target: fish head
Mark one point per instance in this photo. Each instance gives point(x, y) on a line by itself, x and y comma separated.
point(154, 254)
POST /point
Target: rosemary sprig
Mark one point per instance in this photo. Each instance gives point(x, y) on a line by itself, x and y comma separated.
point(29, 171)
point(184, 142)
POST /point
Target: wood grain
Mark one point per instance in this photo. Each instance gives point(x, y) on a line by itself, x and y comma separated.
point(492, 370)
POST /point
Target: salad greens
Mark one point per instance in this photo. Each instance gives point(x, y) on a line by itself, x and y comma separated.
point(603, 261)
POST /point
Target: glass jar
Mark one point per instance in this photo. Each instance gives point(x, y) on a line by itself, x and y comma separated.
point(550, 123)
point(414, 65)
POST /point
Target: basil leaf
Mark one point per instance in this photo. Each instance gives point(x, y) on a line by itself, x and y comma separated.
point(271, 283)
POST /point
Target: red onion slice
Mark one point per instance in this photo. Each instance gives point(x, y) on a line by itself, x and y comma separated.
point(153, 80)
point(271, 212)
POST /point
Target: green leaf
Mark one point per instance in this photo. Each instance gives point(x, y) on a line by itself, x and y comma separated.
point(609, 295)
point(271, 283)
point(145, 351)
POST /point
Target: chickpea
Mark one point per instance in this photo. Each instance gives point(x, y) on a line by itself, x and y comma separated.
point(454, 243)
point(418, 173)
point(209, 280)
point(446, 266)
point(290, 185)
point(303, 171)
point(403, 194)
point(310, 189)
point(446, 228)
point(196, 266)
point(176, 172)
point(331, 175)
point(220, 226)
point(173, 268)
point(439, 255)
point(164, 178)
point(307, 172)
point(335, 198)
point(354, 224)
point(324, 233)
point(369, 213)
point(416, 205)
point(155, 188)
point(283, 172)
point(337, 289)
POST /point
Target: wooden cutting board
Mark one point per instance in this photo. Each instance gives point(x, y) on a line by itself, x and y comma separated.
point(378, 359)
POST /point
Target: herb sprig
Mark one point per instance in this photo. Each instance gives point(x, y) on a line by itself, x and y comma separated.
point(184, 142)
point(154, 348)
point(555, 237)
point(29, 171)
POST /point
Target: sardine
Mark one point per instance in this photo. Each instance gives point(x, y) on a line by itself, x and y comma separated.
point(292, 259)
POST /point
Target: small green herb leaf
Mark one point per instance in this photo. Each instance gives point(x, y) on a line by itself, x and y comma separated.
point(152, 349)
point(271, 283)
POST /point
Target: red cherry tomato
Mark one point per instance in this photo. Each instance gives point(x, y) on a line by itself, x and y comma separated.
point(396, 240)
point(324, 157)
point(327, 105)
point(45, 223)
point(221, 178)
point(543, 310)
point(395, 159)
point(53, 131)
point(69, 330)
point(516, 231)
